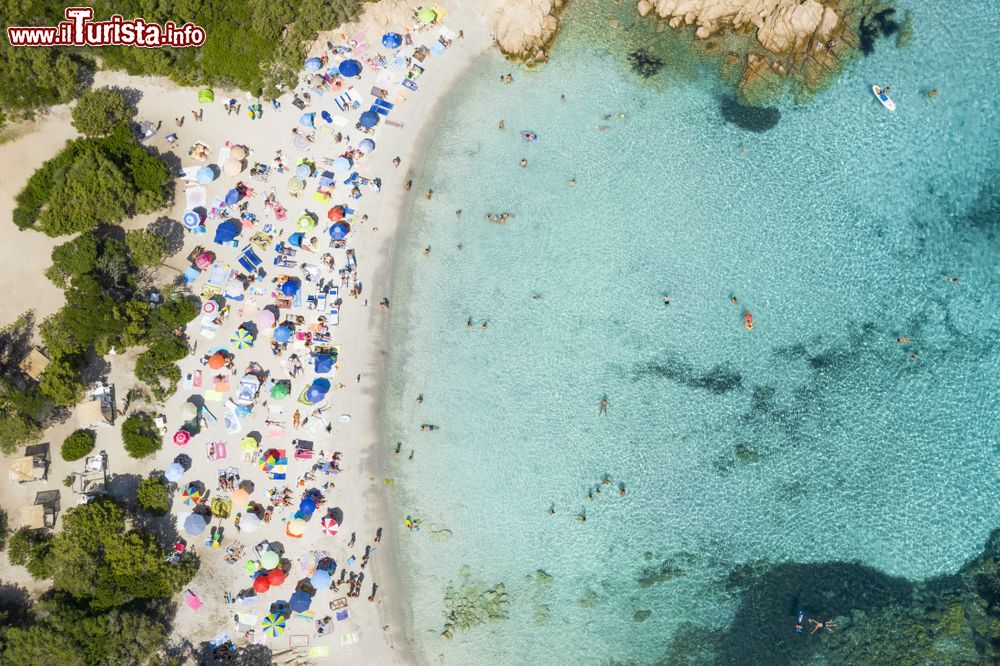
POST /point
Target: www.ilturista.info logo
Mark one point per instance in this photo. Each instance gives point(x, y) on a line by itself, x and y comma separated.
point(79, 30)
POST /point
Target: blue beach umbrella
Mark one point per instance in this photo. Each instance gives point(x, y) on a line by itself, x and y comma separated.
point(232, 196)
point(307, 507)
point(174, 472)
point(290, 288)
point(349, 68)
point(303, 170)
point(392, 40)
point(339, 231)
point(342, 165)
point(273, 625)
point(313, 64)
point(191, 219)
point(282, 334)
point(300, 602)
point(205, 175)
point(227, 231)
point(318, 390)
point(308, 119)
point(368, 119)
point(321, 579)
point(195, 524)
point(295, 240)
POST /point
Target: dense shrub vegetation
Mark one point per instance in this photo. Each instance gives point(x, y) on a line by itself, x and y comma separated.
point(77, 445)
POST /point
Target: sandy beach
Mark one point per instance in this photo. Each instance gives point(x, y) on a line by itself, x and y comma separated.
point(373, 631)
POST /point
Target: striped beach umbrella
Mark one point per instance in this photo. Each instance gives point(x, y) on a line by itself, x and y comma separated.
point(191, 219)
point(329, 525)
point(273, 625)
point(241, 339)
point(296, 185)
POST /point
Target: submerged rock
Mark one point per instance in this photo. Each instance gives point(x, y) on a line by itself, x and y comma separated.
point(750, 118)
point(641, 615)
point(470, 604)
point(645, 63)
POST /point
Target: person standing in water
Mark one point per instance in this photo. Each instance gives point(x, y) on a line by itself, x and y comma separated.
point(603, 406)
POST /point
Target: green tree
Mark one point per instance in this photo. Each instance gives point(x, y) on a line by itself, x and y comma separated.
point(73, 258)
point(140, 435)
point(61, 382)
point(77, 445)
point(100, 111)
point(93, 190)
point(153, 495)
point(18, 430)
point(146, 248)
point(32, 549)
point(40, 644)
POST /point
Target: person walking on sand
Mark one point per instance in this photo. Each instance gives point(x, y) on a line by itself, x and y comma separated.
point(603, 407)
point(371, 597)
point(378, 535)
point(297, 419)
point(429, 194)
point(396, 161)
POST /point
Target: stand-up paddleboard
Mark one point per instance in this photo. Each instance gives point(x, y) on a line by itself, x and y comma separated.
point(884, 98)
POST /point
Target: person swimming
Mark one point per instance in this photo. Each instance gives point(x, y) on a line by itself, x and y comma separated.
point(826, 624)
point(903, 341)
point(798, 622)
point(603, 407)
point(428, 427)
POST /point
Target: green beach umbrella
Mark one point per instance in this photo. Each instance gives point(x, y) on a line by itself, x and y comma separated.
point(280, 391)
point(305, 223)
point(427, 15)
point(269, 559)
point(241, 339)
point(205, 95)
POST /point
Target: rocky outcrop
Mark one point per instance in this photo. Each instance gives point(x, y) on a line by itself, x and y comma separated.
point(524, 29)
point(803, 38)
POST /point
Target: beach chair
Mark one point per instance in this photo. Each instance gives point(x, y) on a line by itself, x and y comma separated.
point(379, 110)
point(249, 260)
point(333, 319)
point(382, 103)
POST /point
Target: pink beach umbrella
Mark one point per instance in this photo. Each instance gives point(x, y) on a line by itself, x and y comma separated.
point(264, 319)
point(232, 166)
point(182, 437)
point(192, 600)
point(329, 525)
point(204, 260)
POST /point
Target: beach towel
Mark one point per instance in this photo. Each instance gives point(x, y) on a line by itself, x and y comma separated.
point(342, 615)
point(214, 396)
point(349, 638)
point(298, 641)
point(195, 197)
point(275, 433)
point(222, 387)
point(305, 615)
point(247, 619)
point(232, 423)
point(197, 378)
point(319, 651)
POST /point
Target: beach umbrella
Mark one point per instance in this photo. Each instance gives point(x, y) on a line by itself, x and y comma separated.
point(204, 260)
point(308, 119)
point(209, 308)
point(328, 525)
point(323, 364)
point(205, 175)
point(191, 219)
point(368, 119)
point(305, 223)
point(335, 214)
point(173, 472)
point(237, 152)
point(182, 437)
point(216, 361)
point(313, 64)
point(227, 231)
point(235, 289)
point(276, 577)
point(295, 240)
point(317, 390)
point(188, 411)
point(191, 495)
point(195, 524)
point(290, 288)
point(303, 170)
point(296, 185)
point(295, 527)
point(269, 559)
point(320, 580)
point(307, 507)
point(273, 625)
point(342, 165)
point(239, 497)
point(261, 584)
point(366, 146)
point(339, 231)
point(300, 142)
point(349, 68)
point(280, 390)
point(206, 95)
point(241, 339)
point(248, 444)
point(232, 196)
point(300, 602)
point(282, 334)
point(392, 40)
point(316, 80)
point(427, 15)
point(232, 166)
point(249, 523)
point(264, 319)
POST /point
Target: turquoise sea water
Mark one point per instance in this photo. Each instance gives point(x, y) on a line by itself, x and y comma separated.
point(811, 438)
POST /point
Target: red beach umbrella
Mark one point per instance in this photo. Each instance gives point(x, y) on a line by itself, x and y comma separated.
point(275, 576)
point(261, 584)
point(182, 437)
point(335, 214)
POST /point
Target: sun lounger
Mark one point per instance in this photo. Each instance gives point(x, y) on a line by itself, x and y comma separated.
point(249, 260)
point(334, 317)
point(382, 103)
point(379, 110)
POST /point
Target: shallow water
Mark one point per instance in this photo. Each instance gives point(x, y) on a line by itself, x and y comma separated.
point(811, 438)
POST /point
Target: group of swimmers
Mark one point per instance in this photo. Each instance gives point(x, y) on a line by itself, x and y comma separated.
point(606, 481)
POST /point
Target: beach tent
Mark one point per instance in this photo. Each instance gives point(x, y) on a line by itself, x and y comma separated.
point(295, 240)
point(339, 231)
point(205, 175)
point(350, 68)
point(335, 214)
point(206, 95)
point(392, 40)
point(227, 232)
point(369, 119)
point(342, 165)
point(308, 120)
point(313, 64)
point(233, 196)
point(282, 334)
point(427, 15)
point(366, 146)
point(195, 524)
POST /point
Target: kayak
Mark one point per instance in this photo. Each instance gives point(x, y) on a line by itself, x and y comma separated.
point(748, 320)
point(529, 136)
point(884, 98)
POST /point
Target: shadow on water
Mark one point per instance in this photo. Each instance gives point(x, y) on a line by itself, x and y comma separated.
point(718, 380)
point(750, 118)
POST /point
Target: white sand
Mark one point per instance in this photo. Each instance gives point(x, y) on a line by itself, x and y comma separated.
point(359, 490)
